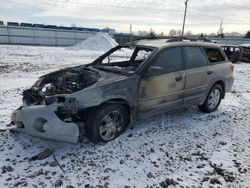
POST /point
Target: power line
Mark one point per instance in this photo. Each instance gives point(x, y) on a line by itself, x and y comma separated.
point(144, 8)
point(150, 8)
point(135, 8)
point(116, 6)
point(192, 11)
point(236, 5)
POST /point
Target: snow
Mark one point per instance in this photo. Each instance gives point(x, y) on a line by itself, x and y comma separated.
point(186, 146)
point(245, 45)
point(99, 42)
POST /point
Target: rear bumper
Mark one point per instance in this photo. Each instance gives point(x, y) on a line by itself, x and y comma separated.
point(229, 84)
point(41, 121)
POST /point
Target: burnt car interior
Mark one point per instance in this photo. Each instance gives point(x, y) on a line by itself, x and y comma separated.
point(123, 58)
point(214, 55)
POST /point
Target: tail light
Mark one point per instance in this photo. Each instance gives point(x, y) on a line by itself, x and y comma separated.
point(232, 67)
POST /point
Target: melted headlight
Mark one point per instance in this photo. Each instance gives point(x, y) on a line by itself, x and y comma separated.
point(54, 99)
point(70, 106)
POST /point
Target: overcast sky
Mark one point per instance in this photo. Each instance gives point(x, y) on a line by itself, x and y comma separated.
point(161, 15)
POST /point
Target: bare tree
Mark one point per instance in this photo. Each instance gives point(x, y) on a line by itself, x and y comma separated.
point(178, 32)
point(212, 34)
point(247, 35)
point(172, 33)
point(188, 33)
point(143, 33)
point(152, 33)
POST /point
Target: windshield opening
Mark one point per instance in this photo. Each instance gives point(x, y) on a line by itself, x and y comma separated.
point(124, 58)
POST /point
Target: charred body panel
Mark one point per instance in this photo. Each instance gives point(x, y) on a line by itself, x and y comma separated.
point(159, 93)
point(121, 87)
point(41, 121)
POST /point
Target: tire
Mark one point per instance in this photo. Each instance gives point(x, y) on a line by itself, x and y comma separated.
point(213, 99)
point(106, 122)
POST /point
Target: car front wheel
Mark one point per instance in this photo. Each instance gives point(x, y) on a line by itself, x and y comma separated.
point(106, 122)
point(213, 99)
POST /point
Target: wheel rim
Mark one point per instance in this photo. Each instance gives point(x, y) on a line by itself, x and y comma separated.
point(111, 125)
point(214, 98)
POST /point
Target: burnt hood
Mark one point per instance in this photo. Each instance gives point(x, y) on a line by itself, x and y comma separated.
point(61, 82)
point(63, 70)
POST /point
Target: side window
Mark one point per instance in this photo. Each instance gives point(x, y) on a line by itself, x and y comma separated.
point(142, 55)
point(169, 60)
point(122, 54)
point(193, 57)
point(214, 55)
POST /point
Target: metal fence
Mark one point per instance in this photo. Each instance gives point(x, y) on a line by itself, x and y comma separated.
point(63, 37)
point(41, 36)
point(232, 41)
point(124, 38)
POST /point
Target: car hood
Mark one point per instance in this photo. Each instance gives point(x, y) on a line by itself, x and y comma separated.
point(102, 76)
point(68, 81)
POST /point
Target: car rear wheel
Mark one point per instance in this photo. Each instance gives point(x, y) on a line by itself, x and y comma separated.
point(106, 122)
point(213, 99)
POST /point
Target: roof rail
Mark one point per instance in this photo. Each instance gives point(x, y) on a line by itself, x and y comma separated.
point(178, 39)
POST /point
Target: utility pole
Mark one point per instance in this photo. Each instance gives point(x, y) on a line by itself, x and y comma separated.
point(221, 27)
point(130, 31)
point(220, 32)
point(184, 20)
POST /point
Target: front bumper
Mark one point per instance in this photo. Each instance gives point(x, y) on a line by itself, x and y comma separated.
point(41, 121)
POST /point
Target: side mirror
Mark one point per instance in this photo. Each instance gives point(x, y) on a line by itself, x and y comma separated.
point(153, 71)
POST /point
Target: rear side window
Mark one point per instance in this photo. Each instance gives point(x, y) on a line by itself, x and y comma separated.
point(193, 57)
point(170, 60)
point(214, 55)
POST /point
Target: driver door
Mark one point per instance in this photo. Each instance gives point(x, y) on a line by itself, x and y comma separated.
point(162, 87)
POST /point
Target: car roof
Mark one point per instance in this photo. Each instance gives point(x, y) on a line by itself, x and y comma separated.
point(163, 43)
point(229, 45)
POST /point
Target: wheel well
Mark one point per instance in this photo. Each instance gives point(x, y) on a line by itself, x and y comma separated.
point(222, 84)
point(119, 101)
point(85, 112)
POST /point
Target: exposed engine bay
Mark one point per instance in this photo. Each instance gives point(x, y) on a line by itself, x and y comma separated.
point(62, 82)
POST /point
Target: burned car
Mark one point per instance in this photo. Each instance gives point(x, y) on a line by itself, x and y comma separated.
point(237, 53)
point(127, 83)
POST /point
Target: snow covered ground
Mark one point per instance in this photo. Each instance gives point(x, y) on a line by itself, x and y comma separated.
point(183, 149)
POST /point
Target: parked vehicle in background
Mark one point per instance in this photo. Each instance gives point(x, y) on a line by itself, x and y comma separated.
point(127, 83)
point(233, 52)
point(237, 53)
point(245, 53)
point(12, 23)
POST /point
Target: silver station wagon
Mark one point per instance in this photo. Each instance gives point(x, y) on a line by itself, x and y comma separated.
point(127, 83)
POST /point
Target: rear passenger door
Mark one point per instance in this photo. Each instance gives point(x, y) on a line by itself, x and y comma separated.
point(218, 64)
point(197, 75)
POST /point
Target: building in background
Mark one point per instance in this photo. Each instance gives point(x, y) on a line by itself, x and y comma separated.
point(49, 35)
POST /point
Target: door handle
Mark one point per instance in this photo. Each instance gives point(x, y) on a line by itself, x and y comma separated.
point(178, 78)
point(209, 72)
